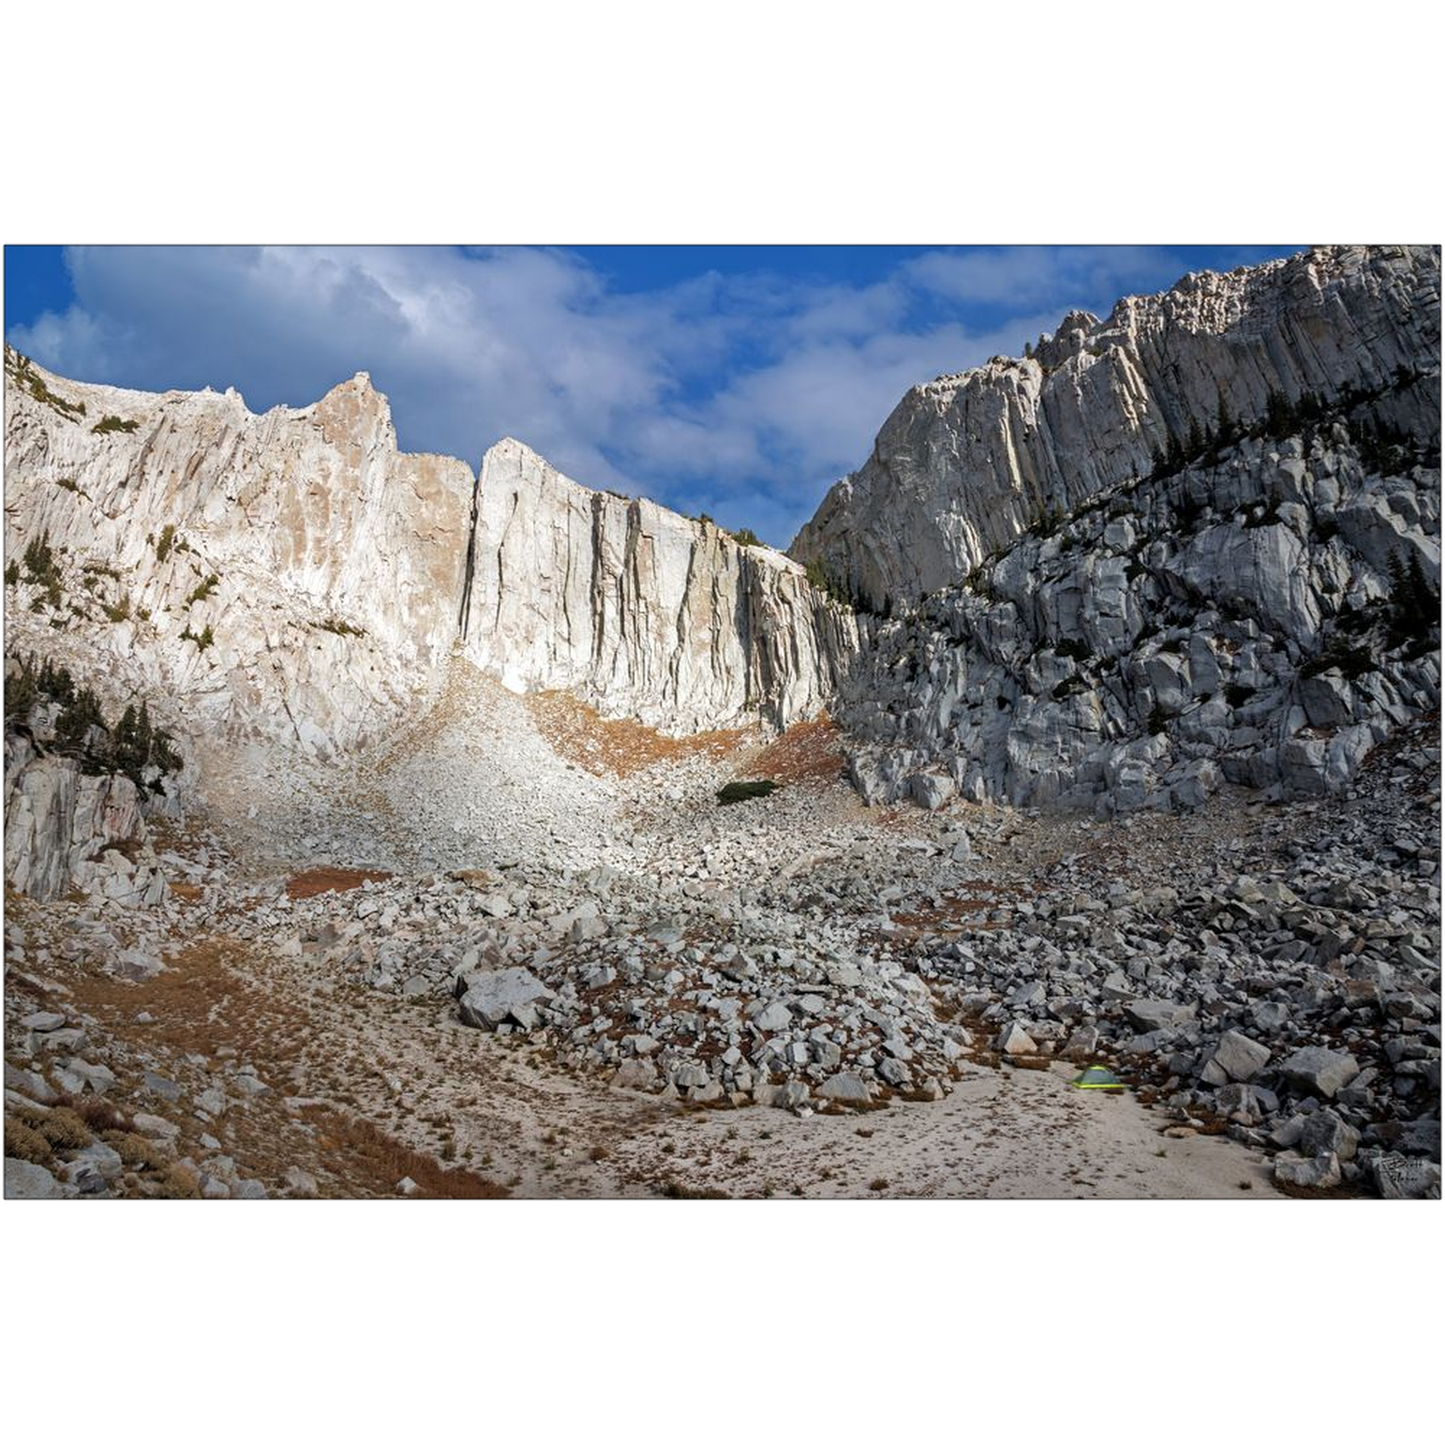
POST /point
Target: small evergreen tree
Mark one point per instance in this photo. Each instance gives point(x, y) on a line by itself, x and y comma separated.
point(73, 725)
point(1224, 424)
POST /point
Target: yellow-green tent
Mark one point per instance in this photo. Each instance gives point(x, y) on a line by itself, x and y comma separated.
point(1096, 1076)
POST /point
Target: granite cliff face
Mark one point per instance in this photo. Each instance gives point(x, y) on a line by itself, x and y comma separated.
point(334, 573)
point(1192, 544)
point(1197, 543)
point(966, 463)
point(638, 610)
point(323, 563)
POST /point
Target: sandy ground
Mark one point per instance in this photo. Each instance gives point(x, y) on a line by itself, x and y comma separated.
point(366, 1086)
point(474, 1113)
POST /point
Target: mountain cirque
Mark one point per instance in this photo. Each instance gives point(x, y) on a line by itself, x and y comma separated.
point(1103, 704)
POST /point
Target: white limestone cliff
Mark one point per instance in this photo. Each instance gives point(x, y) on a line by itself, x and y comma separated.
point(337, 559)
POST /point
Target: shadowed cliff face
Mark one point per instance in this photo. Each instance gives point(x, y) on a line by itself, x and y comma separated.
point(967, 463)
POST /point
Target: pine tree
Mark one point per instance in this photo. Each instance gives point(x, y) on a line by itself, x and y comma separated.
point(145, 736)
point(73, 725)
point(124, 744)
point(1224, 423)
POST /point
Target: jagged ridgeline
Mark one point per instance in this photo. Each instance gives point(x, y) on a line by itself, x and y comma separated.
point(1194, 543)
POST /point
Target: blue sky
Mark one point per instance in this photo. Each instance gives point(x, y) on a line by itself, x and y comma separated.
point(736, 380)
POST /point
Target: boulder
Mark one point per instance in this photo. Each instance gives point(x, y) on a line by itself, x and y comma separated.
point(1320, 1172)
point(635, 1074)
point(847, 1089)
point(1014, 1039)
point(1395, 1176)
point(1238, 1056)
point(1149, 1014)
point(1321, 1071)
point(1324, 1132)
point(490, 997)
point(29, 1181)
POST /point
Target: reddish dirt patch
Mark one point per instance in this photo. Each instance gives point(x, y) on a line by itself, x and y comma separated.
point(203, 1001)
point(331, 880)
point(619, 746)
point(807, 752)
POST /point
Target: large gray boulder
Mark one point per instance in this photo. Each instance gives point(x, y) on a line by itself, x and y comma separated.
point(29, 1181)
point(1148, 1014)
point(1321, 1071)
point(1237, 1056)
point(490, 998)
point(847, 1089)
point(1320, 1172)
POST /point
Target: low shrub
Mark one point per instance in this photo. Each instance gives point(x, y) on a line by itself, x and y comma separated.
point(24, 1142)
point(112, 424)
point(135, 1152)
point(740, 792)
point(204, 590)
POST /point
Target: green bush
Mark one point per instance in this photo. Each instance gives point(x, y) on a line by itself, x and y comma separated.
point(43, 568)
point(114, 423)
point(746, 537)
point(740, 792)
point(204, 590)
point(166, 541)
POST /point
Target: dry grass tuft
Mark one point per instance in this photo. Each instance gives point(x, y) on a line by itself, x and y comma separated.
point(136, 1152)
point(23, 1142)
point(60, 1128)
point(99, 1116)
point(359, 1152)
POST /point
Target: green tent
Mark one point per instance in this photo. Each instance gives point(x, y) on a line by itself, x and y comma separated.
point(1096, 1076)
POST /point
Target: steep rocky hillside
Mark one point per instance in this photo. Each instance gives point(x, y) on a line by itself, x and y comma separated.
point(1197, 543)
